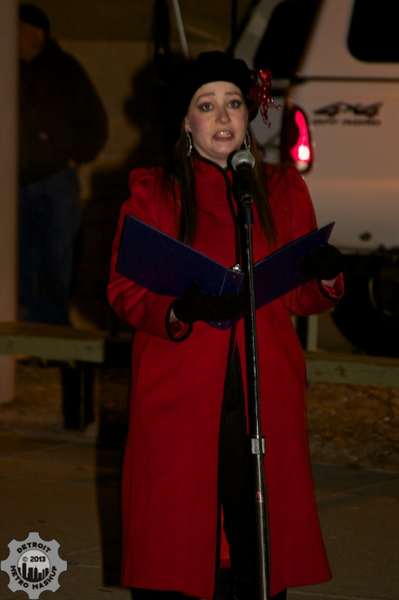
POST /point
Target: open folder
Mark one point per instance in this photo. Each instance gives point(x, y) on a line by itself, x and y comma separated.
point(165, 265)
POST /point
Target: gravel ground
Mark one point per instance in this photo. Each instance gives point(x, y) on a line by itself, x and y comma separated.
point(349, 425)
point(355, 425)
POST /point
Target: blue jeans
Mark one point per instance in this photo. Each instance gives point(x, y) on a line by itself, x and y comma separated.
point(49, 218)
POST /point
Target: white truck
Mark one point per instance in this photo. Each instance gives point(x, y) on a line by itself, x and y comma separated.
point(335, 65)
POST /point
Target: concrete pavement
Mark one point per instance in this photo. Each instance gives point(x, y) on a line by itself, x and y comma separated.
point(66, 487)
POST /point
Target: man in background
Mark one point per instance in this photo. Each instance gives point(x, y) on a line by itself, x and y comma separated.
point(62, 124)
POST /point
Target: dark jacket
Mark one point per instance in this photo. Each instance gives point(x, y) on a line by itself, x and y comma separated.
point(62, 118)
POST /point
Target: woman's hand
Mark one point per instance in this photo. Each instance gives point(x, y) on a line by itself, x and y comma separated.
point(325, 263)
point(193, 306)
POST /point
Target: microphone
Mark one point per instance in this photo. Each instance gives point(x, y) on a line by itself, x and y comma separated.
point(243, 163)
point(242, 160)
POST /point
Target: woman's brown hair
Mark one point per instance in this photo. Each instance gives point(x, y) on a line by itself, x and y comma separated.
point(180, 167)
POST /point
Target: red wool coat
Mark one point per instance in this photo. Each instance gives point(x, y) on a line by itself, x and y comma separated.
point(170, 468)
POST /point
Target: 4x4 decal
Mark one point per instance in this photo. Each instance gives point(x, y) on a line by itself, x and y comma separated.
point(364, 110)
point(345, 113)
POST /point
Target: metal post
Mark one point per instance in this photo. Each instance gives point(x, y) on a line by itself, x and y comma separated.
point(233, 21)
point(180, 27)
point(8, 162)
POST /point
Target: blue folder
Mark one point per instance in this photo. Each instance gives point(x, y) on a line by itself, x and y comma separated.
point(165, 265)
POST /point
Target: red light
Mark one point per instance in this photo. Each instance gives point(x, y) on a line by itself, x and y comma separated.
point(296, 142)
point(301, 151)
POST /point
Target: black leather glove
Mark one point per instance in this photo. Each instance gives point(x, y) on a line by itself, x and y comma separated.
point(193, 306)
point(324, 263)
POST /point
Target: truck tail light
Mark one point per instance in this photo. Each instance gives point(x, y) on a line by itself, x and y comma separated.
point(296, 145)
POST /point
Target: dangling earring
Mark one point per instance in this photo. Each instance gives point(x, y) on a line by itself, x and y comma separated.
point(189, 143)
point(247, 141)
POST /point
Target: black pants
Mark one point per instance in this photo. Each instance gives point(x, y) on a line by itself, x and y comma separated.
point(235, 488)
point(139, 594)
point(235, 484)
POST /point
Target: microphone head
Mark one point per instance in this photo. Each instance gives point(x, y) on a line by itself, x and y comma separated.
point(242, 158)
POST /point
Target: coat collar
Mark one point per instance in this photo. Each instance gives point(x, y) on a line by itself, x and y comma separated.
point(203, 167)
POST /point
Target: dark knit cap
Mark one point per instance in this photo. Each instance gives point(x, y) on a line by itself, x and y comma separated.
point(29, 13)
point(180, 78)
point(208, 67)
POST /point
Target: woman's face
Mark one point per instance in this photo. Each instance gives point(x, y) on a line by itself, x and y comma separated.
point(217, 119)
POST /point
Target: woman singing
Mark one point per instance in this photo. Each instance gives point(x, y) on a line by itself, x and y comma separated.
point(187, 459)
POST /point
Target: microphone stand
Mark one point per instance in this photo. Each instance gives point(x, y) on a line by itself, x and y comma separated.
point(245, 223)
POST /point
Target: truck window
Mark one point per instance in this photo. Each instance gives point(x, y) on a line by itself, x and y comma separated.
point(285, 37)
point(373, 33)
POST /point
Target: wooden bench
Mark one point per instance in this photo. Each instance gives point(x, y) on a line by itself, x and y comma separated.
point(354, 369)
point(77, 352)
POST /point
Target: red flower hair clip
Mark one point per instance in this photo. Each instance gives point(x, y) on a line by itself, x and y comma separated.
point(260, 92)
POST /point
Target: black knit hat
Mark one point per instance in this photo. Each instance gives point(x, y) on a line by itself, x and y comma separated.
point(207, 67)
point(180, 78)
point(29, 13)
